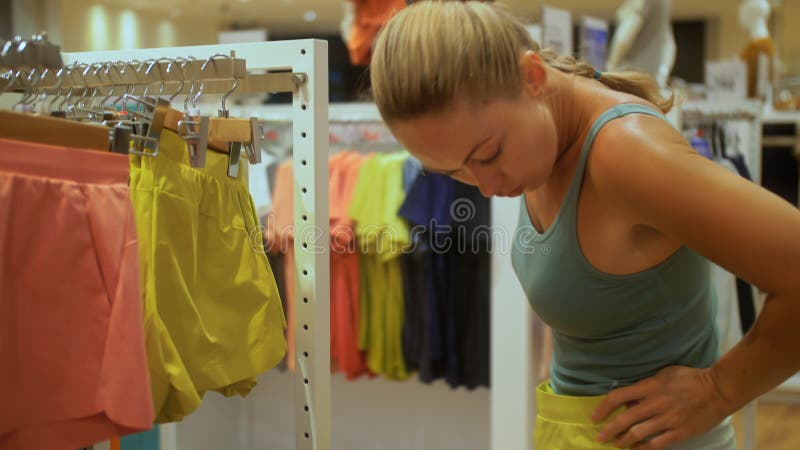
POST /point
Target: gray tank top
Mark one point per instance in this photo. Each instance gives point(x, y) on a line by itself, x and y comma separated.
point(612, 330)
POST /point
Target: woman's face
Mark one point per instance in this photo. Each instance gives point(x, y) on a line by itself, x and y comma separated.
point(504, 147)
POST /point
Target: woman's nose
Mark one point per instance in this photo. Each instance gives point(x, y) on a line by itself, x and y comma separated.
point(489, 180)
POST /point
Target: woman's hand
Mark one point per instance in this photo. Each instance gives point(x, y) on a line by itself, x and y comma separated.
point(674, 405)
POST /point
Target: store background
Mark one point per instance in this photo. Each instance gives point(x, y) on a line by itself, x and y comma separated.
point(706, 30)
point(405, 415)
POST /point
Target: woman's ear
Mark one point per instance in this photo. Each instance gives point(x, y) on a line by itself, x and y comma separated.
point(534, 72)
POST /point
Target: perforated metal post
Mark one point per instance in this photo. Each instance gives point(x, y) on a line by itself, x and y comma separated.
point(308, 60)
point(312, 250)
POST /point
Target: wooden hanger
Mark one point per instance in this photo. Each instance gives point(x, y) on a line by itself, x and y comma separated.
point(221, 131)
point(53, 131)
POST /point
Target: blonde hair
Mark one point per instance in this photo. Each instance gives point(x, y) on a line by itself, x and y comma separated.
point(432, 51)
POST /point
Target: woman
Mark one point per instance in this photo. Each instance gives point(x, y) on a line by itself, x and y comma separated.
point(618, 216)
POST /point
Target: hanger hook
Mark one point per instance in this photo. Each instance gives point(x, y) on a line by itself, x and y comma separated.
point(199, 93)
point(212, 59)
point(84, 100)
point(146, 84)
point(39, 92)
point(81, 100)
point(33, 79)
point(224, 111)
point(121, 73)
point(180, 62)
point(107, 71)
point(161, 73)
point(188, 96)
point(131, 85)
point(191, 87)
point(12, 78)
point(67, 73)
point(60, 77)
point(154, 63)
point(97, 67)
point(28, 87)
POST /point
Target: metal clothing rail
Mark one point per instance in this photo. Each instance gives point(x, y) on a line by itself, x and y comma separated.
point(165, 76)
point(311, 212)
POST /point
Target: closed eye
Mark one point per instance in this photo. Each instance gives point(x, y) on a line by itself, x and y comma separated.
point(492, 158)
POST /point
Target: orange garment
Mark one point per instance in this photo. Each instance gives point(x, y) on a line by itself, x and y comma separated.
point(71, 340)
point(279, 238)
point(750, 55)
point(345, 354)
point(344, 294)
point(370, 16)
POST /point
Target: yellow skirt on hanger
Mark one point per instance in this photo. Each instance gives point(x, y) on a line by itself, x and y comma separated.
point(213, 315)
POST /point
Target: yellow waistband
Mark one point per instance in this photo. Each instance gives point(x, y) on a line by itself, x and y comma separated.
point(173, 148)
point(565, 408)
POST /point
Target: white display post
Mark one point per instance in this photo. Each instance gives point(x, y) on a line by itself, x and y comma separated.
point(513, 399)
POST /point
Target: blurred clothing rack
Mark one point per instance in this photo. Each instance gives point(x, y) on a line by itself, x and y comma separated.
point(746, 111)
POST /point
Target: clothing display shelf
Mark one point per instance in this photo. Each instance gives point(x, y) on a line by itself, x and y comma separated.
point(307, 61)
point(748, 113)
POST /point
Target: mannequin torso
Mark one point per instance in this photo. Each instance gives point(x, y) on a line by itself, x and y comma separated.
point(753, 16)
point(644, 39)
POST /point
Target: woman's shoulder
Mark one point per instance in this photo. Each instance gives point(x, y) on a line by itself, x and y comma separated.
point(633, 148)
point(636, 134)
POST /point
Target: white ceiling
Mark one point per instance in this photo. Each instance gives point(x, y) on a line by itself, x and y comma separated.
point(287, 16)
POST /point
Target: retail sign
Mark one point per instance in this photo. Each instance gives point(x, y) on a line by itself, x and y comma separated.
point(594, 42)
point(557, 30)
point(726, 79)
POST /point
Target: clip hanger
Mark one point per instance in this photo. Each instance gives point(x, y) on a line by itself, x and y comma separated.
point(195, 133)
point(256, 141)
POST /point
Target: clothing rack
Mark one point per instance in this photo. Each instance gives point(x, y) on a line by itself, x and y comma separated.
point(299, 67)
point(745, 111)
point(513, 368)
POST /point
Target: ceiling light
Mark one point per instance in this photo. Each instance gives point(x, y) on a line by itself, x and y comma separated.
point(310, 16)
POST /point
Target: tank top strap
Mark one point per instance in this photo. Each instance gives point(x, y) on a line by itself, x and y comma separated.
point(612, 113)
